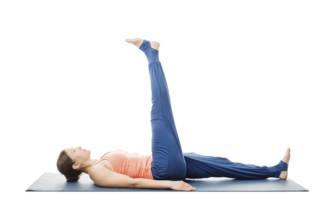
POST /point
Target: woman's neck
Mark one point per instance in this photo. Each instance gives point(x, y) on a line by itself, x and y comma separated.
point(88, 166)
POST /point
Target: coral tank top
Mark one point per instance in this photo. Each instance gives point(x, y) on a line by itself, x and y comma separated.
point(131, 164)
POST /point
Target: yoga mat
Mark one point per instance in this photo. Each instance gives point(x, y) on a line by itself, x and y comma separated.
point(55, 182)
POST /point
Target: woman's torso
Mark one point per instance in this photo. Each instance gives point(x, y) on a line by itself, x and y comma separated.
point(131, 164)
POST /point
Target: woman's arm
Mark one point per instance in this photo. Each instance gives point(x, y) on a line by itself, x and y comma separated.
point(105, 177)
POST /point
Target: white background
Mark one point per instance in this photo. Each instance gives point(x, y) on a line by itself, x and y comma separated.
point(247, 79)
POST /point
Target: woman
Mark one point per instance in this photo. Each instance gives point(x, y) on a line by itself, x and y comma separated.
point(167, 167)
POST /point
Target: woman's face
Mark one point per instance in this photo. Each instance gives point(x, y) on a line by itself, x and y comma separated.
point(78, 154)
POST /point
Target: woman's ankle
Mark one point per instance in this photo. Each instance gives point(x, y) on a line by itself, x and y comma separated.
point(155, 45)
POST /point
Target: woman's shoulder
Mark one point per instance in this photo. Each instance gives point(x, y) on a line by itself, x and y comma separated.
point(100, 167)
point(99, 171)
point(102, 163)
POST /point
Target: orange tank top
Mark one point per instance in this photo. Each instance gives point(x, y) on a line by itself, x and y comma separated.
point(131, 164)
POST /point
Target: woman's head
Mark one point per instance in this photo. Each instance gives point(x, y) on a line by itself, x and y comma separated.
point(70, 162)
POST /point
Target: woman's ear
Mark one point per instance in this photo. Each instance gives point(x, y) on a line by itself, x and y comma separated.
point(76, 165)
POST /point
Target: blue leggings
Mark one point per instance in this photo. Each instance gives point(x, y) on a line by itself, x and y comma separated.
point(169, 162)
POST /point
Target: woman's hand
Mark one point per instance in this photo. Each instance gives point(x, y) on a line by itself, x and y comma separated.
point(181, 185)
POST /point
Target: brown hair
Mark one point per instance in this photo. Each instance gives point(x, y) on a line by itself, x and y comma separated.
point(64, 166)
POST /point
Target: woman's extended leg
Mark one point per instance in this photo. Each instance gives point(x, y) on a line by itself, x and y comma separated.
point(199, 166)
point(168, 160)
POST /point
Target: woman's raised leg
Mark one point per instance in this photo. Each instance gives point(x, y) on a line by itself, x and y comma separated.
point(168, 160)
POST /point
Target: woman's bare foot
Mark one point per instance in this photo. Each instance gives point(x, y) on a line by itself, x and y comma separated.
point(286, 158)
point(138, 42)
point(135, 41)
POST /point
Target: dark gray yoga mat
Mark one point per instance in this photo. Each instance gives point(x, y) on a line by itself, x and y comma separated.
point(55, 182)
